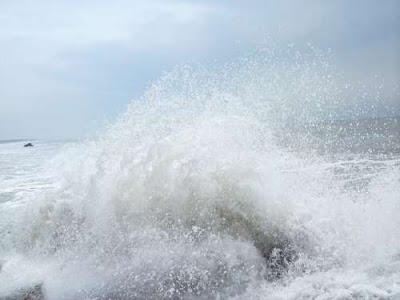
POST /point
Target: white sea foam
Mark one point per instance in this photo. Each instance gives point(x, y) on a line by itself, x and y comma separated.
point(199, 191)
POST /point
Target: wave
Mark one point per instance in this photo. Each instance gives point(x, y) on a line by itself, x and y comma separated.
point(191, 194)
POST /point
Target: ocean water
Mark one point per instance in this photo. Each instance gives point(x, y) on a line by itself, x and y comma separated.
point(244, 182)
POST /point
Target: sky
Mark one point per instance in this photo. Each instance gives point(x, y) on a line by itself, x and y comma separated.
point(68, 66)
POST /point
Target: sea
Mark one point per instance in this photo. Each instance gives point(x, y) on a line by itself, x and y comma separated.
point(248, 182)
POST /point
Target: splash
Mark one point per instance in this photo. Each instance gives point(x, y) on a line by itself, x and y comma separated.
point(210, 186)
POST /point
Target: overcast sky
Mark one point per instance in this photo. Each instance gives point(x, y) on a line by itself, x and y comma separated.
point(66, 66)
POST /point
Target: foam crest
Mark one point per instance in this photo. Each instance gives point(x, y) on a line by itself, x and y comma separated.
point(198, 192)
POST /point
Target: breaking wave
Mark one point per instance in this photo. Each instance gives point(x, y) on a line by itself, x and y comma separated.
point(203, 189)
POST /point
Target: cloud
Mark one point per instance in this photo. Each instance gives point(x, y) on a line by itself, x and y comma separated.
point(67, 63)
point(46, 47)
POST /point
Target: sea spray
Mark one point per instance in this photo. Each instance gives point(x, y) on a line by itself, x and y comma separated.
point(210, 185)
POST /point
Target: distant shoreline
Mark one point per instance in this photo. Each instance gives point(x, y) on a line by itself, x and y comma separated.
point(15, 141)
point(38, 140)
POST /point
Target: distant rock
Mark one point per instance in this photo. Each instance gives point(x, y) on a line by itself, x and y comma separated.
point(28, 145)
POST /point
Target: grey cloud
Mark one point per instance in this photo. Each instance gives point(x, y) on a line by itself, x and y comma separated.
point(68, 63)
